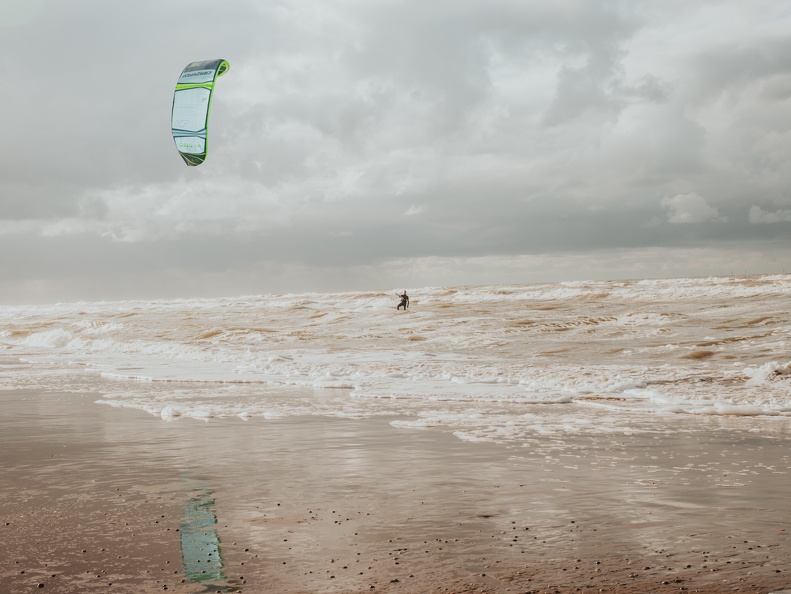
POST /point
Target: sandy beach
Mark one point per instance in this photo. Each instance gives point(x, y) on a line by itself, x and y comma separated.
point(97, 499)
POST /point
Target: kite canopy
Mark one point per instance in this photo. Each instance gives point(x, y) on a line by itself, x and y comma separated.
point(191, 102)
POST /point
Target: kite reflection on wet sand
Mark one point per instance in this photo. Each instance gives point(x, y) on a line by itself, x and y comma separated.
point(200, 543)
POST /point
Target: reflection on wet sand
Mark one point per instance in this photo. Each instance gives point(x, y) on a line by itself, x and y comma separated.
point(200, 544)
point(98, 500)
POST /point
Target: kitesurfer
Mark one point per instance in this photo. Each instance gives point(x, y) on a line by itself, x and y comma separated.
point(404, 301)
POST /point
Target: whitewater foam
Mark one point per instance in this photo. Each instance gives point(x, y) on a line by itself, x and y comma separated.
point(603, 356)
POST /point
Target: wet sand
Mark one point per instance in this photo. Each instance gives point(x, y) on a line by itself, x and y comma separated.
point(98, 499)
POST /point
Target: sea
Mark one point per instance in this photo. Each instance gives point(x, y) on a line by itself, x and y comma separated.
point(506, 363)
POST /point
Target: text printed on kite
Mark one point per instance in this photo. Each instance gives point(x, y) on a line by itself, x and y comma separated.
point(191, 103)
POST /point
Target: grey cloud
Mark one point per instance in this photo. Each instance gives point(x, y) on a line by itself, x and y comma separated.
point(689, 208)
point(502, 129)
point(758, 215)
point(729, 69)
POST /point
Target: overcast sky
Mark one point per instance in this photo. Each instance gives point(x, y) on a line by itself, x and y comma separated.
point(365, 144)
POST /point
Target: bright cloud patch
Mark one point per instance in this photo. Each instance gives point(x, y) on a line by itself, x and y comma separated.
point(689, 208)
point(760, 216)
point(414, 210)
